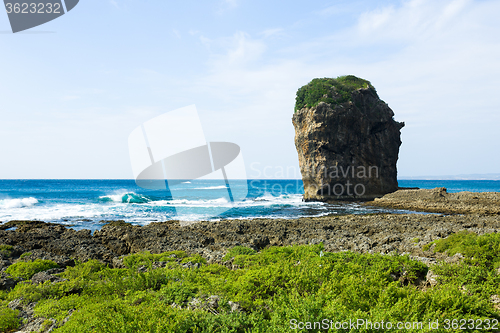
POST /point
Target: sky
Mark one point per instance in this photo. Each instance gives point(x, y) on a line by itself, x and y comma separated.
point(73, 89)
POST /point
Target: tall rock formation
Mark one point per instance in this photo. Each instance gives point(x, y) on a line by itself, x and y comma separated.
point(346, 139)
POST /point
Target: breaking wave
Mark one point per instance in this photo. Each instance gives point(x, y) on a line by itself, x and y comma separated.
point(129, 197)
point(18, 203)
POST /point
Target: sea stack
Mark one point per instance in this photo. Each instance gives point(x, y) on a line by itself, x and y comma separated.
point(347, 140)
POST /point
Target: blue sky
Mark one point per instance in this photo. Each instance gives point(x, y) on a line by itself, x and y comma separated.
point(72, 90)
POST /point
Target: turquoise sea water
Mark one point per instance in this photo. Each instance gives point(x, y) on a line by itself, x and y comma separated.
point(87, 203)
point(454, 185)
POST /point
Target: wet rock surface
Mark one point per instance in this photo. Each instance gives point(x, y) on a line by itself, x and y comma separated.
point(440, 201)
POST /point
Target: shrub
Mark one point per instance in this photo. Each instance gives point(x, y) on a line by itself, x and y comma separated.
point(83, 270)
point(471, 245)
point(272, 287)
point(329, 90)
point(146, 258)
point(8, 319)
point(194, 259)
point(26, 269)
point(477, 274)
point(238, 250)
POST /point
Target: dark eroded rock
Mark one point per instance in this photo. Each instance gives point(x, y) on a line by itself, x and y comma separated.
point(348, 144)
point(7, 282)
point(43, 277)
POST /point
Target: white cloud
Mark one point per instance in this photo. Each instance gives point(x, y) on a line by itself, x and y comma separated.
point(415, 19)
point(337, 9)
point(71, 97)
point(273, 32)
point(434, 62)
point(231, 3)
point(235, 51)
point(227, 5)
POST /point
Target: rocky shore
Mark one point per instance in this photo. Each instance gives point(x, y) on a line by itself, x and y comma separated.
point(403, 233)
point(438, 200)
point(371, 233)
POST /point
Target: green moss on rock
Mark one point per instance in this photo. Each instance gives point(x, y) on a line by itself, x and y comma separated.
point(117, 223)
point(6, 250)
point(329, 90)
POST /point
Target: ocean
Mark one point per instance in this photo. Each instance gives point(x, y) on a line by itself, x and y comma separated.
point(89, 203)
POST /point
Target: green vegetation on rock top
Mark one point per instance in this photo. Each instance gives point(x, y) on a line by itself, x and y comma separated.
point(329, 90)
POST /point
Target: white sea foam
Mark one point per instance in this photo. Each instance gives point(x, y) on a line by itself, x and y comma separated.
point(18, 203)
point(266, 200)
point(275, 217)
point(284, 199)
point(191, 203)
point(120, 205)
point(211, 188)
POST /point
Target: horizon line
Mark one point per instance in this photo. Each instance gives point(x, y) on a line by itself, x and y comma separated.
point(451, 177)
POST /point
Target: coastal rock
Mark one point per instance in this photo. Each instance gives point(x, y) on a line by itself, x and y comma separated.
point(6, 282)
point(495, 299)
point(438, 200)
point(61, 260)
point(383, 233)
point(235, 307)
point(347, 140)
point(42, 277)
point(432, 278)
point(210, 304)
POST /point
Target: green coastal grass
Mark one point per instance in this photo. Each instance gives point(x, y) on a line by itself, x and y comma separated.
point(240, 253)
point(479, 271)
point(272, 287)
point(332, 91)
point(8, 319)
point(26, 269)
point(471, 245)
